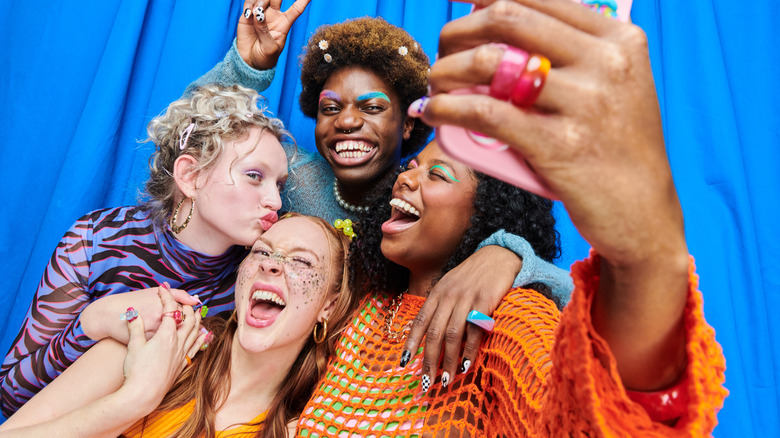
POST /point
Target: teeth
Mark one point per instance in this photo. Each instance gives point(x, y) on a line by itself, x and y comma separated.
point(405, 206)
point(268, 296)
point(354, 146)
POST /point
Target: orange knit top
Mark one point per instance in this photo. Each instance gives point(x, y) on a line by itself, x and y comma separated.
point(539, 373)
point(162, 424)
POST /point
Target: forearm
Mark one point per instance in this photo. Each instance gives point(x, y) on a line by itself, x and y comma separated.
point(234, 70)
point(106, 417)
point(639, 311)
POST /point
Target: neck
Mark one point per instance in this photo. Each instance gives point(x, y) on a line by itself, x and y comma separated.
point(202, 240)
point(420, 283)
point(255, 378)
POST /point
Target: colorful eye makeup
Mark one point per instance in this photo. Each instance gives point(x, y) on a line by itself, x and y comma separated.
point(327, 94)
point(373, 95)
point(445, 171)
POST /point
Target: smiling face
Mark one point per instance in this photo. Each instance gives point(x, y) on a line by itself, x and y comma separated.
point(360, 126)
point(283, 286)
point(237, 198)
point(432, 205)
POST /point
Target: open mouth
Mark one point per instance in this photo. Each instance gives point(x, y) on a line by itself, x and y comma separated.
point(353, 149)
point(403, 216)
point(264, 307)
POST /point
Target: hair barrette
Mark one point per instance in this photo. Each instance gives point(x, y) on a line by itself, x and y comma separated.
point(185, 135)
point(345, 225)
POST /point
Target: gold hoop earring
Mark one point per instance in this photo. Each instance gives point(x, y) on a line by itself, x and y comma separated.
point(320, 335)
point(179, 228)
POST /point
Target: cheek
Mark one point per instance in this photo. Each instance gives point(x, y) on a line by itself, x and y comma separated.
point(244, 277)
point(304, 284)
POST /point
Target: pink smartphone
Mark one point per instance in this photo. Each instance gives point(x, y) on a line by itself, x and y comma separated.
point(489, 155)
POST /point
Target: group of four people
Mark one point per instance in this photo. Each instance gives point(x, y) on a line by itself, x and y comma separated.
point(313, 338)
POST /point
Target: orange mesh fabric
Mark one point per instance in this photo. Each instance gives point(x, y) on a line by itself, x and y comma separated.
point(166, 423)
point(513, 389)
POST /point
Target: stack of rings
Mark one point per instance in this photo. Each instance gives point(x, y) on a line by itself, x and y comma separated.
point(520, 76)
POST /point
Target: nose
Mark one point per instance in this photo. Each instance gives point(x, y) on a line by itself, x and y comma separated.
point(409, 178)
point(349, 120)
point(271, 199)
point(271, 265)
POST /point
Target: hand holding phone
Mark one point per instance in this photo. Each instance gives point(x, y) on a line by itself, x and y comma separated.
point(488, 155)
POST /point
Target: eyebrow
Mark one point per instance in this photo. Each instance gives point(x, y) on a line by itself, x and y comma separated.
point(373, 95)
point(291, 250)
point(328, 94)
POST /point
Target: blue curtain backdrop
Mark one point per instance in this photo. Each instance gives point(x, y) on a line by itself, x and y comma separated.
point(79, 81)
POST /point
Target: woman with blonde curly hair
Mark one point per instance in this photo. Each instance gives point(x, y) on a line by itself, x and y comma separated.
point(214, 188)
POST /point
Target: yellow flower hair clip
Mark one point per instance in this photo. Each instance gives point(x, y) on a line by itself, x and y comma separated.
point(345, 226)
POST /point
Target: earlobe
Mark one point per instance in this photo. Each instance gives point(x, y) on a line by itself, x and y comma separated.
point(185, 173)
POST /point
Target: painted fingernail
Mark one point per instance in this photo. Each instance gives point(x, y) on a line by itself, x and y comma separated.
point(405, 356)
point(197, 298)
point(464, 366)
point(166, 286)
point(209, 337)
point(259, 14)
point(129, 315)
point(426, 382)
point(418, 106)
point(204, 311)
point(247, 13)
point(445, 379)
point(204, 347)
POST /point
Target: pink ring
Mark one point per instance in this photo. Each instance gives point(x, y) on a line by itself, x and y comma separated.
point(509, 71)
point(177, 316)
point(531, 81)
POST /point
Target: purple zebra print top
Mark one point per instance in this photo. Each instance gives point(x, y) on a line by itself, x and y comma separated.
point(106, 252)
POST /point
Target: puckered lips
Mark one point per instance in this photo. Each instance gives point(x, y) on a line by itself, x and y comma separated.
point(352, 151)
point(268, 220)
point(265, 304)
point(403, 216)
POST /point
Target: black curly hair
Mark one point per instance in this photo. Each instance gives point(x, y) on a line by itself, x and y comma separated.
point(372, 43)
point(497, 205)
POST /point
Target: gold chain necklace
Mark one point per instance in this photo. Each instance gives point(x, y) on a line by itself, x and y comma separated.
point(396, 337)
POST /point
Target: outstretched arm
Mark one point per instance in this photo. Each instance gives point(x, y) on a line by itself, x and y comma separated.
point(595, 138)
point(251, 60)
point(111, 386)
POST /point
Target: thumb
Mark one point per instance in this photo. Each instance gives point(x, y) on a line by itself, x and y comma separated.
point(135, 327)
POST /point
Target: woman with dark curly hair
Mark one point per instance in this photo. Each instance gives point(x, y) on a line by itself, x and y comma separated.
point(540, 372)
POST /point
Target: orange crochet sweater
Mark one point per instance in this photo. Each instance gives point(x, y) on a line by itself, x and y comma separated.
point(539, 373)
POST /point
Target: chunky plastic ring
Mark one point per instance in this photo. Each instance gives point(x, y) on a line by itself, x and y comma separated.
point(189, 361)
point(509, 71)
point(481, 320)
point(130, 315)
point(531, 81)
point(177, 316)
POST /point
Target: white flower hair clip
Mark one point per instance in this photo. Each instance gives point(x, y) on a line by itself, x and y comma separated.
point(403, 50)
point(328, 58)
point(323, 45)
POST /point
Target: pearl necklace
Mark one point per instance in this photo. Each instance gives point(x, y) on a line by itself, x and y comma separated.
point(344, 204)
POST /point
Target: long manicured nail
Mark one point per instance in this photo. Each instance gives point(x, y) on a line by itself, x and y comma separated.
point(166, 286)
point(418, 106)
point(247, 13)
point(445, 379)
point(259, 14)
point(464, 366)
point(197, 298)
point(405, 356)
point(426, 382)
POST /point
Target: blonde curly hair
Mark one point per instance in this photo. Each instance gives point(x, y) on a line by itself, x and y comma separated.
point(218, 114)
